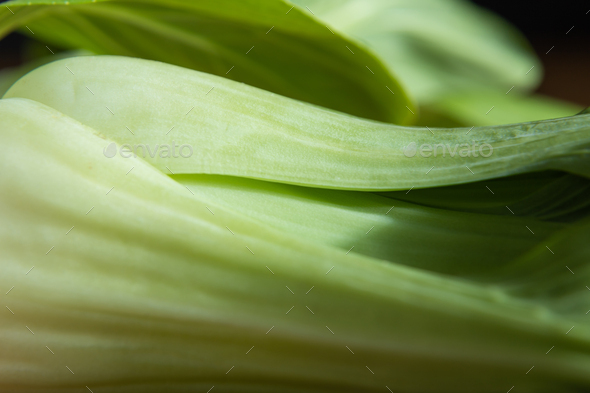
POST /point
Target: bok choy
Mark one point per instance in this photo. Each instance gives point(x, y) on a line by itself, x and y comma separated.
point(150, 291)
point(227, 196)
point(239, 130)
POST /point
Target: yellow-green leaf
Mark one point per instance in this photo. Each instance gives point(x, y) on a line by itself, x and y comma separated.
point(137, 287)
point(234, 129)
point(265, 43)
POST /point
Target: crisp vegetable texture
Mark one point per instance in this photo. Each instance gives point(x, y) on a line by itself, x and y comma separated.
point(266, 196)
point(289, 141)
point(174, 306)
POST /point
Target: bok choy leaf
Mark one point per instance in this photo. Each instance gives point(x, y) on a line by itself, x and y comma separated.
point(265, 43)
point(227, 207)
point(550, 195)
point(151, 292)
point(242, 131)
point(379, 227)
point(437, 47)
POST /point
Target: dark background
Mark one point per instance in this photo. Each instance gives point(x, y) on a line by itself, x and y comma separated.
point(544, 23)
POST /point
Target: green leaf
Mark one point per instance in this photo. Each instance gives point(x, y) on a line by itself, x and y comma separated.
point(371, 225)
point(436, 47)
point(10, 75)
point(148, 292)
point(299, 58)
point(491, 107)
point(557, 272)
point(548, 195)
point(242, 131)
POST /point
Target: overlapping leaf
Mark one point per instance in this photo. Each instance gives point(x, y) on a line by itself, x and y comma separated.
point(152, 292)
point(494, 107)
point(299, 57)
point(378, 227)
point(436, 46)
point(160, 285)
point(547, 195)
point(243, 131)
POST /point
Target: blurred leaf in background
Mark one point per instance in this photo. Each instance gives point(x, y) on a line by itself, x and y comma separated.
point(489, 106)
point(456, 59)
